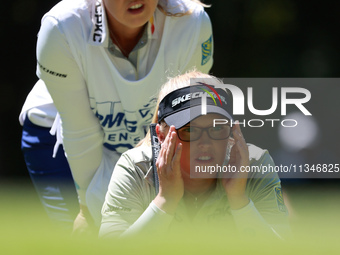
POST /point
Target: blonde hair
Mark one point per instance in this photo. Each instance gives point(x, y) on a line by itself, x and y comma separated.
point(175, 83)
point(168, 11)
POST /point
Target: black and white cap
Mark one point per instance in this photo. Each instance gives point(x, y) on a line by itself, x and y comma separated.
point(183, 105)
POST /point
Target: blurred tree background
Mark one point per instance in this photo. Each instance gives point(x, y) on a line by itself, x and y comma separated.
point(252, 38)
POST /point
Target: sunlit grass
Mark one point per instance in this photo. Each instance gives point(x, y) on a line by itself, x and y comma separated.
point(25, 229)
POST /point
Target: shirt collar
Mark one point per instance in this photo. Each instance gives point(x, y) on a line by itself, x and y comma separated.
point(113, 49)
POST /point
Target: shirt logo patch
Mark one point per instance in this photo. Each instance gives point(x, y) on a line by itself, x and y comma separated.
point(113, 208)
point(206, 50)
point(279, 199)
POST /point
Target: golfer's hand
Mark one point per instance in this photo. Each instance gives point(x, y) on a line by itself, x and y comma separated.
point(171, 186)
point(84, 224)
point(235, 184)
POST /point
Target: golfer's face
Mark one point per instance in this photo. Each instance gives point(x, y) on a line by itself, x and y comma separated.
point(209, 145)
point(130, 14)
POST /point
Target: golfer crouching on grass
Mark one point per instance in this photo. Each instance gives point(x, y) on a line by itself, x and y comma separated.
point(182, 198)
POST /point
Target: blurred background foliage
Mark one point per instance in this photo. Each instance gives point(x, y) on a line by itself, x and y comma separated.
point(275, 38)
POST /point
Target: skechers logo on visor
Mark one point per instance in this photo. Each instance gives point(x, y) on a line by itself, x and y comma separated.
point(214, 95)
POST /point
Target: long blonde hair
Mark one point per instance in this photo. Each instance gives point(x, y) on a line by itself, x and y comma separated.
point(162, 6)
point(168, 11)
point(175, 83)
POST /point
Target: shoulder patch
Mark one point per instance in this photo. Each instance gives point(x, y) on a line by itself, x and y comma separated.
point(206, 50)
point(279, 199)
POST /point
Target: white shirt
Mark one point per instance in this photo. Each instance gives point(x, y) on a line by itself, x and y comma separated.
point(103, 99)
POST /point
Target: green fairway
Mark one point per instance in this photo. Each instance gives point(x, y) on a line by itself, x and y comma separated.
point(25, 229)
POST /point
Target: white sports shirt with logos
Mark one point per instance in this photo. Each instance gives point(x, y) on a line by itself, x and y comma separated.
point(128, 208)
point(104, 100)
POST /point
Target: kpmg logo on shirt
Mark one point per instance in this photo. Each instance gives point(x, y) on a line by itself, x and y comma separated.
point(206, 50)
point(123, 129)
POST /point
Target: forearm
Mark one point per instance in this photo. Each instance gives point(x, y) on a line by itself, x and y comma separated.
point(83, 143)
point(82, 134)
point(249, 222)
point(152, 221)
point(84, 165)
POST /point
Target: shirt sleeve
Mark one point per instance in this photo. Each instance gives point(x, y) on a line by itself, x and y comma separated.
point(38, 106)
point(202, 57)
point(60, 70)
point(266, 212)
point(250, 222)
point(128, 208)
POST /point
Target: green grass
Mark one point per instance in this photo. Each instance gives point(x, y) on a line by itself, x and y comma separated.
point(25, 229)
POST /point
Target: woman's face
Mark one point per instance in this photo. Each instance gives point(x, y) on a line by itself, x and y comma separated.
point(130, 14)
point(203, 152)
